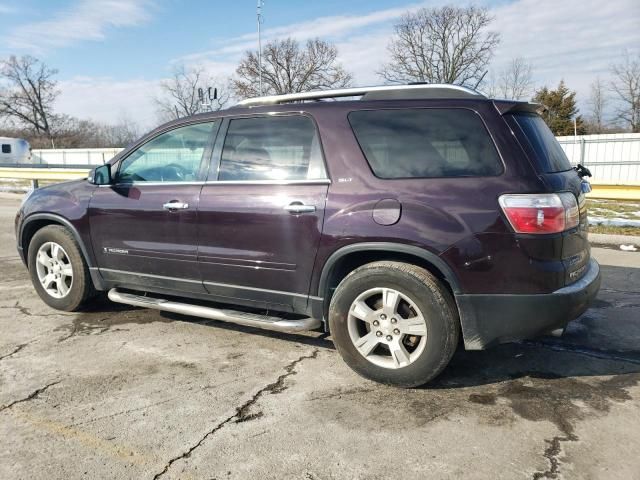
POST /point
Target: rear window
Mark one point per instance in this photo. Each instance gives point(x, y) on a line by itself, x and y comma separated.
point(549, 154)
point(425, 143)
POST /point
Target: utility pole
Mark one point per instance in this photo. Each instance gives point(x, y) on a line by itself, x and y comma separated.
point(260, 19)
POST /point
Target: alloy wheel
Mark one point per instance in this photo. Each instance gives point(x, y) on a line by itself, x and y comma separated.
point(387, 327)
point(54, 270)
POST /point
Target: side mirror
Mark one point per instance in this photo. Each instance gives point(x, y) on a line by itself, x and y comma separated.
point(101, 175)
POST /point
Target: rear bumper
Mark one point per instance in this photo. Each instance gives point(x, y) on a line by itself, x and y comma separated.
point(491, 319)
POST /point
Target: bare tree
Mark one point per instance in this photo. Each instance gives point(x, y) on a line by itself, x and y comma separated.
point(490, 85)
point(626, 85)
point(179, 97)
point(289, 68)
point(29, 94)
point(515, 81)
point(71, 132)
point(119, 134)
point(441, 45)
point(597, 103)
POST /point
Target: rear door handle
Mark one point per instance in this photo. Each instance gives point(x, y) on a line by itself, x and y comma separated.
point(175, 205)
point(299, 207)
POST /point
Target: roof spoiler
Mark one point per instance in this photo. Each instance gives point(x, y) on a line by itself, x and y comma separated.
point(512, 106)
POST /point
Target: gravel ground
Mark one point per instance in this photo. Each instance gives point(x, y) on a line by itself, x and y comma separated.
point(117, 392)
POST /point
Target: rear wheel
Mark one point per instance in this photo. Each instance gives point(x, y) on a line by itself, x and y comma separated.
point(394, 323)
point(58, 270)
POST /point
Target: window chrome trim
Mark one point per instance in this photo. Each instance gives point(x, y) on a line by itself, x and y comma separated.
point(155, 184)
point(321, 181)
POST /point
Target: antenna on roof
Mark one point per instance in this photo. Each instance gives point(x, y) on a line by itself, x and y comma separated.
point(480, 80)
point(207, 100)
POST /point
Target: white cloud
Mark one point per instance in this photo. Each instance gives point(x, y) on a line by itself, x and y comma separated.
point(109, 100)
point(364, 54)
point(87, 20)
point(332, 27)
point(576, 40)
point(571, 39)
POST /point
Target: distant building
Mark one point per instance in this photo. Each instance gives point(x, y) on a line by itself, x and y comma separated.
point(14, 151)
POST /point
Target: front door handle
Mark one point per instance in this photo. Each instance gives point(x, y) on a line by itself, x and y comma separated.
point(299, 207)
point(175, 205)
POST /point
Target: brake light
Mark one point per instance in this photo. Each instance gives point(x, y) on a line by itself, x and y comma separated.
point(541, 212)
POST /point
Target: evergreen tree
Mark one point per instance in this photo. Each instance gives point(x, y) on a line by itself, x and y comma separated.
point(561, 110)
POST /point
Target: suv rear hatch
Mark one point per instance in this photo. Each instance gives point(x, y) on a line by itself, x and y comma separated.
point(554, 168)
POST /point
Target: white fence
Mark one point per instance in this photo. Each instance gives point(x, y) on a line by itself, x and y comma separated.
point(614, 159)
point(73, 156)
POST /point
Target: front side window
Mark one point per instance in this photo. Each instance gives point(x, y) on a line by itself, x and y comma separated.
point(271, 148)
point(425, 143)
point(6, 148)
point(174, 156)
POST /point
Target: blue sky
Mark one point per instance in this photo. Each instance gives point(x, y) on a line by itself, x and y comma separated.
point(112, 54)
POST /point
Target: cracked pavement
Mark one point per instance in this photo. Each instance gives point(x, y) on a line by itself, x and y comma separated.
point(119, 392)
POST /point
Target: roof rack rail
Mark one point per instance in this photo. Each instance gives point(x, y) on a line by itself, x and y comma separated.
point(387, 92)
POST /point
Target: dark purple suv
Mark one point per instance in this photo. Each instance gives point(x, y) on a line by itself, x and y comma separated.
point(397, 220)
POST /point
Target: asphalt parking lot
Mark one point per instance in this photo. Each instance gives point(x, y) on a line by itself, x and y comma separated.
point(120, 392)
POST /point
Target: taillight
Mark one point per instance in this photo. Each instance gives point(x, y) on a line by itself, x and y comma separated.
point(541, 212)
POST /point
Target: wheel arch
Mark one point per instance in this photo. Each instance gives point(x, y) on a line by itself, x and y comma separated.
point(35, 222)
point(350, 257)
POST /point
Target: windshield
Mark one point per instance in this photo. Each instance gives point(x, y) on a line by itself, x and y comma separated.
point(550, 156)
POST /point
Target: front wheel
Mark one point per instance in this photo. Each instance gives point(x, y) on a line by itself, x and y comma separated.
point(58, 270)
point(394, 323)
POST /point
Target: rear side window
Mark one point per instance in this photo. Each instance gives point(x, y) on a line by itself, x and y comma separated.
point(272, 148)
point(549, 154)
point(6, 148)
point(425, 143)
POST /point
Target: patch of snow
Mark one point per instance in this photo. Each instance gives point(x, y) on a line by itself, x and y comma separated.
point(14, 188)
point(614, 222)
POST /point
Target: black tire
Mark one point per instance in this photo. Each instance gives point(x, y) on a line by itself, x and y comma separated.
point(81, 288)
point(429, 295)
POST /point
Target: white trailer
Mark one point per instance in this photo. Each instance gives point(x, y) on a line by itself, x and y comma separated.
point(14, 151)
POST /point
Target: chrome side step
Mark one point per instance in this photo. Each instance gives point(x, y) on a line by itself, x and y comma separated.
point(242, 318)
